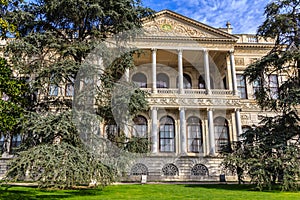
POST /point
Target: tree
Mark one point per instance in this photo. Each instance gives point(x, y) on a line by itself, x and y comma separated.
point(14, 100)
point(55, 39)
point(269, 153)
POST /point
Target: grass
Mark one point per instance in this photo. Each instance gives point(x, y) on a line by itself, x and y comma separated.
point(150, 191)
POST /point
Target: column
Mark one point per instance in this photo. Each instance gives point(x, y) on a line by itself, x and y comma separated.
point(233, 73)
point(154, 70)
point(211, 132)
point(238, 123)
point(182, 141)
point(206, 71)
point(126, 123)
point(180, 72)
point(127, 74)
point(154, 130)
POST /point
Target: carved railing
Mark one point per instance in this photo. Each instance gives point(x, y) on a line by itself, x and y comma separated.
point(216, 92)
point(221, 92)
point(195, 91)
point(149, 90)
point(167, 91)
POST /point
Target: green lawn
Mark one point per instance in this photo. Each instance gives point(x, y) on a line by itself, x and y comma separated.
point(150, 191)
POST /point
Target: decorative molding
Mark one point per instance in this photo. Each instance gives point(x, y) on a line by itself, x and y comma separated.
point(239, 61)
point(170, 27)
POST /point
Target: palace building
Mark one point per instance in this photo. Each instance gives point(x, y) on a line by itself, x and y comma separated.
point(199, 99)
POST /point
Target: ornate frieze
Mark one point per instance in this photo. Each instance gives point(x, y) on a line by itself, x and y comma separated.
point(170, 27)
point(193, 102)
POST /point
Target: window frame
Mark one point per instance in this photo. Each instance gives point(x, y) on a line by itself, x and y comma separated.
point(196, 126)
point(167, 133)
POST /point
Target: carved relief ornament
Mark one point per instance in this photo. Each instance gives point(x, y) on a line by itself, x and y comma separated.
point(169, 27)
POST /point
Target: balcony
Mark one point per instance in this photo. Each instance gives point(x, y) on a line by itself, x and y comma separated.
point(171, 97)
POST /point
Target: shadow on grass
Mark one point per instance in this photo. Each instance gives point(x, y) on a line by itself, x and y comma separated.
point(32, 193)
point(232, 187)
point(236, 187)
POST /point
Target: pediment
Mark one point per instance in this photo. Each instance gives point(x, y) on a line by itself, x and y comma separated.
point(170, 24)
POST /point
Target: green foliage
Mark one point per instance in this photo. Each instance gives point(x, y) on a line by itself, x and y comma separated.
point(66, 167)
point(56, 40)
point(14, 100)
point(269, 153)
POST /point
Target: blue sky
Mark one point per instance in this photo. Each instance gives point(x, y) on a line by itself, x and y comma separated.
point(244, 15)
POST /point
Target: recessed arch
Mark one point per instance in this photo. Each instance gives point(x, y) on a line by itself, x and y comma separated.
point(140, 80)
point(140, 127)
point(187, 81)
point(162, 80)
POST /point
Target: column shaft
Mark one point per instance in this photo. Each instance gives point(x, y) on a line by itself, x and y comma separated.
point(206, 71)
point(154, 71)
point(154, 130)
point(182, 131)
point(180, 72)
point(211, 133)
point(238, 123)
point(233, 73)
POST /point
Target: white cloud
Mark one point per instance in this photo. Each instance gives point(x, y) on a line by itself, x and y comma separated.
point(244, 15)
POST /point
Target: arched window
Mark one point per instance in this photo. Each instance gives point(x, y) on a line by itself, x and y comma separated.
point(166, 134)
point(162, 81)
point(221, 133)
point(194, 135)
point(201, 82)
point(187, 81)
point(140, 80)
point(199, 170)
point(170, 170)
point(139, 169)
point(140, 127)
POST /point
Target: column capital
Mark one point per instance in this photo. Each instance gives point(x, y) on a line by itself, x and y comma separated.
point(153, 108)
point(231, 51)
point(210, 109)
point(238, 109)
point(153, 49)
point(205, 50)
point(181, 108)
point(179, 51)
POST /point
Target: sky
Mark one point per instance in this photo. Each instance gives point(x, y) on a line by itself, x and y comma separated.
point(244, 15)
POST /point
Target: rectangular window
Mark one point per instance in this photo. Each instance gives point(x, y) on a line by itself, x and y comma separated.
point(241, 86)
point(273, 86)
point(167, 141)
point(2, 139)
point(256, 86)
point(69, 89)
point(140, 131)
point(53, 90)
point(194, 138)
